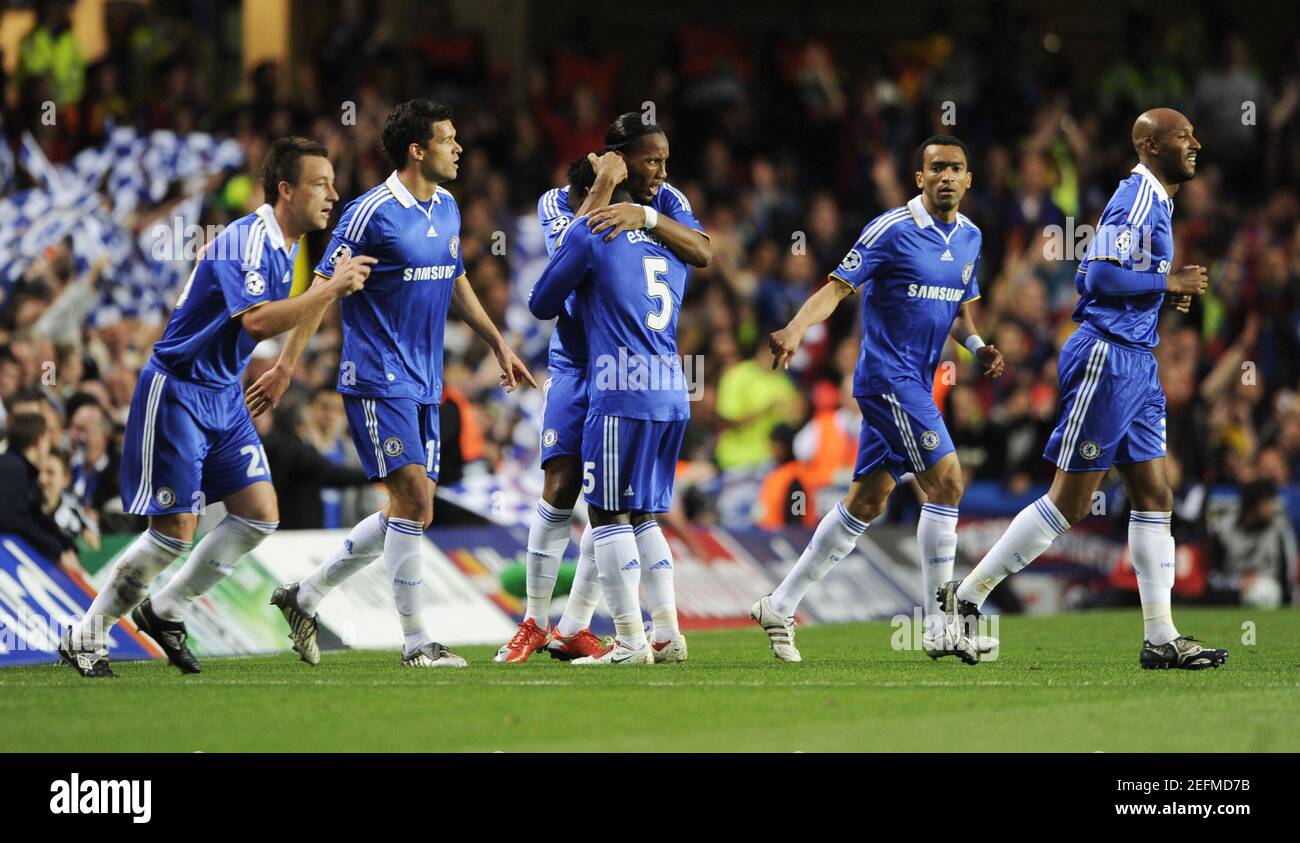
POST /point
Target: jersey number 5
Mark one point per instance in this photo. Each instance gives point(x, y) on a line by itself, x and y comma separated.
point(657, 288)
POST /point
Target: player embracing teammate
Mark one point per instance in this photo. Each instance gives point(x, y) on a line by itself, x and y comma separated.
point(635, 163)
point(629, 290)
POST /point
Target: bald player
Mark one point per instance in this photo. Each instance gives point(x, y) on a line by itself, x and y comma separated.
point(1112, 407)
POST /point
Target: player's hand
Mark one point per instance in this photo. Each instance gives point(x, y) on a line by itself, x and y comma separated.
point(625, 216)
point(991, 359)
point(266, 391)
point(1190, 280)
point(1182, 302)
point(351, 273)
point(784, 343)
point(612, 165)
point(513, 369)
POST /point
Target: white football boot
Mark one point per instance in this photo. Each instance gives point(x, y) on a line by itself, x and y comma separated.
point(780, 631)
point(671, 652)
point(620, 653)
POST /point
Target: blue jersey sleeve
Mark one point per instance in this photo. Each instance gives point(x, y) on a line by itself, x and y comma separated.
point(1123, 235)
point(870, 252)
point(674, 203)
point(246, 283)
point(555, 215)
point(354, 235)
point(562, 275)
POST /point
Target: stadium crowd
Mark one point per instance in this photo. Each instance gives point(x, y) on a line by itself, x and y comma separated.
point(786, 145)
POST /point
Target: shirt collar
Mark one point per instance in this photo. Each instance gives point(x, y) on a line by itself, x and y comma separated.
point(267, 213)
point(404, 197)
point(921, 215)
point(1159, 188)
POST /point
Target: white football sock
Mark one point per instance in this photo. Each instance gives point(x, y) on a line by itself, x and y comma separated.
point(548, 537)
point(127, 585)
point(834, 539)
point(362, 546)
point(936, 532)
point(213, 559)
point(402, 545)
point(584, 595)
point(1152, 547)
point(1031, 532)
point(619, 570)
point(657, 579)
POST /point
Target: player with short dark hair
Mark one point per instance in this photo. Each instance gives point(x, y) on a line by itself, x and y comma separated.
point(189, 438)
point(391, 369)
point(1112, 404)
point(629, 290)
point(634, 160)
point(916, 267)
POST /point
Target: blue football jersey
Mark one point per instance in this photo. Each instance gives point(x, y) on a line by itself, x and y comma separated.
point(567, 353)
point(629, 290)
point(247, 265)
point(913, 277)
point(1136, 231)
point(393, 328)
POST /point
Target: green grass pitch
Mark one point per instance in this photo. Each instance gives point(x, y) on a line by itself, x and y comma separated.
point(1067, 682)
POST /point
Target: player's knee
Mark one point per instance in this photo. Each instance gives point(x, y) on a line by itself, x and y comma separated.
point(177, 525)
point(265, 511)
point(1073, 510)
point(562, 484)
point(410, 499)
point(1158, 499)
point(865, 509)
point(946, 490)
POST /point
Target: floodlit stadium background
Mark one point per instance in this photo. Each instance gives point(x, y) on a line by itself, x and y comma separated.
point(129, 126)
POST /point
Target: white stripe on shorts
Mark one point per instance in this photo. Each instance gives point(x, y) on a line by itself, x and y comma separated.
point(145, 490)
point(1091, 377)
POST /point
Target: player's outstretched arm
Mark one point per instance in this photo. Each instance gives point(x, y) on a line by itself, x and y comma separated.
point(964, 332)
point(821, 304)
point(470, 309)
point(265, 393)
point(274, 318)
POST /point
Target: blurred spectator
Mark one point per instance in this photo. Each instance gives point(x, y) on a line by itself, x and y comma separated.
point(60, 504)
point(325, 426)
point(753, 399)
point(299, 471)
point(50, 52)
point(96, 462)
point(21, 510)
point(1254, 550)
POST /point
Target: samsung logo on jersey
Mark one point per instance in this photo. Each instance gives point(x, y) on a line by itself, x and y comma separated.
point(929, 291)
point(428, 273)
